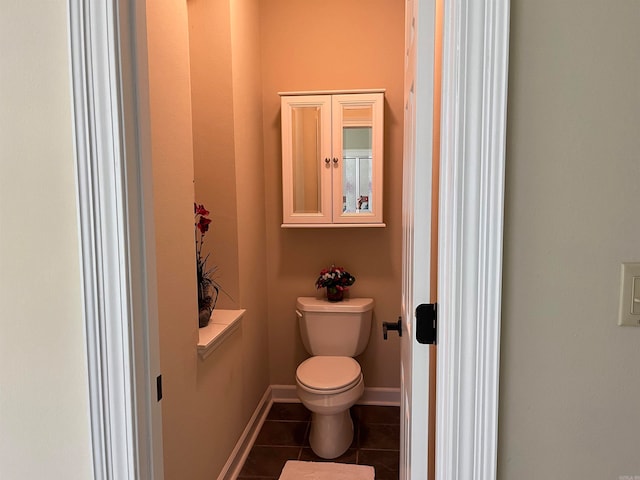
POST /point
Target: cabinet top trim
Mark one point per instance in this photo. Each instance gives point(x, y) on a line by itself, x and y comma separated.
point(333, 225)
point(331, 92)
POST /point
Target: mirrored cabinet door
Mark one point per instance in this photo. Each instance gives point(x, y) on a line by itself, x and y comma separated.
point(357, 137)
point(306, 146)
point(332, 159)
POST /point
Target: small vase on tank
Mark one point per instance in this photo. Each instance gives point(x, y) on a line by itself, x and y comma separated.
point(336, 280)
point(334, 294)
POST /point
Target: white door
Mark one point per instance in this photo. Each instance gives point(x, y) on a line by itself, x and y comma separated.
point(416, 220)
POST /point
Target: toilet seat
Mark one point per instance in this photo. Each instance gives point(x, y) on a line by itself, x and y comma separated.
point(328, 374)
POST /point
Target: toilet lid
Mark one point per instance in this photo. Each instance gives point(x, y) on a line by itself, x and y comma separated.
point(328, 373)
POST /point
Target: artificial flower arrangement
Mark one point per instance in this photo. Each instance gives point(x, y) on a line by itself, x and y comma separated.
point(336, 280)
point(208, 288)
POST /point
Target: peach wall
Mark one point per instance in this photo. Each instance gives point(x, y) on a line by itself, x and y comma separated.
point(229, 179)
point(206, 124)
point(213, 137)
point(333, 44)
point(250, 191)
point(170, 110)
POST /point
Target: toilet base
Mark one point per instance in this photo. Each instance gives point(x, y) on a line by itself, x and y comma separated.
point(331, 435)
point(331, 426)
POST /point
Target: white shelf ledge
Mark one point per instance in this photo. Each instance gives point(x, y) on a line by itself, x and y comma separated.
point(221, 325)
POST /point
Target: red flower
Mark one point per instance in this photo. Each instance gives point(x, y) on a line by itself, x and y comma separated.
point(200, 210)
point(203, 224)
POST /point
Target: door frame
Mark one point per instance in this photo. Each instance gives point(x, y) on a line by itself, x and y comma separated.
point(111, 124)
point(472, 159)
point(107, 42)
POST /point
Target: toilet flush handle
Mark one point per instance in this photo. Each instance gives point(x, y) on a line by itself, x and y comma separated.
point(386, 326)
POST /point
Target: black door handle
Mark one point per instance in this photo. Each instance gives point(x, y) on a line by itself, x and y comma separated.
point(397, 326)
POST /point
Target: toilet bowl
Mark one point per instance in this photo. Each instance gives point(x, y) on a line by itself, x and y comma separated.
point(331, 382)
point(328, 386)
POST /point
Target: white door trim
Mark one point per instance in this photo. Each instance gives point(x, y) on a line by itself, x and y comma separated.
point(108, 65)
point(474, 99)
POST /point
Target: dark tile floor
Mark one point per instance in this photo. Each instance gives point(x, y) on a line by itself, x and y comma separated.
point(285, 436)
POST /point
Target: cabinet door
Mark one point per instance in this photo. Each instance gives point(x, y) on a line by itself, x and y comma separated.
point(357, 157)
point(306, 159)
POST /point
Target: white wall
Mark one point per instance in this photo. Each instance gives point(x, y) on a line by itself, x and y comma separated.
point(44, 422)
point(570, 378)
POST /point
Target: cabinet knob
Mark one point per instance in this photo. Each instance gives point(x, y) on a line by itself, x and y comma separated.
point(335, 160)
point(327, 160)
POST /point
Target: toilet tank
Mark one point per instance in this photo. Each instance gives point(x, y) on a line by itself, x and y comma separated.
point(335, 328)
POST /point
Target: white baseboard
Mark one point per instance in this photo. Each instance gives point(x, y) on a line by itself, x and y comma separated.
point(380, 396)
point(284, 394)
point(240, 452)
point(287, 394)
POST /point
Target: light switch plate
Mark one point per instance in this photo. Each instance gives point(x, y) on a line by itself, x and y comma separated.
point(629, 314)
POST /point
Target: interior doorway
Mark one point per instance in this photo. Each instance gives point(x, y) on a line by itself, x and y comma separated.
point(126, 412)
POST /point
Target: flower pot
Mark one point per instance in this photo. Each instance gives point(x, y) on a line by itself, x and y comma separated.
point(207, 298)
point(334, 294)
point(204, 317)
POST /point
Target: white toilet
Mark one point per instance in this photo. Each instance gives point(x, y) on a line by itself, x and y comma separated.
point(330, 382)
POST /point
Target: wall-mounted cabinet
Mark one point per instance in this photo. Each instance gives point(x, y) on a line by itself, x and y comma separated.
point(332, 158)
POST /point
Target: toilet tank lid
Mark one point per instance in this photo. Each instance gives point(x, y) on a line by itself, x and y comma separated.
point(349, 305)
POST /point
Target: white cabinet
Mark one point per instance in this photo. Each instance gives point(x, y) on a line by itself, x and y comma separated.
point(332, 149)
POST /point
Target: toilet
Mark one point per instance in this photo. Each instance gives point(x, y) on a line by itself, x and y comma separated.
point(330, 382)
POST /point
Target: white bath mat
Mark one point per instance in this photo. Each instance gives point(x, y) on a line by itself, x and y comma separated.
point(295, 470)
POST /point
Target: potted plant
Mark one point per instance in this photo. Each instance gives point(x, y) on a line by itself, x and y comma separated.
point(336, 280)
point(208, 288)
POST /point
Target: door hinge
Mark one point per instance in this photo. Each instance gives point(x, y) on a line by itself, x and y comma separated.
point(427, 323)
